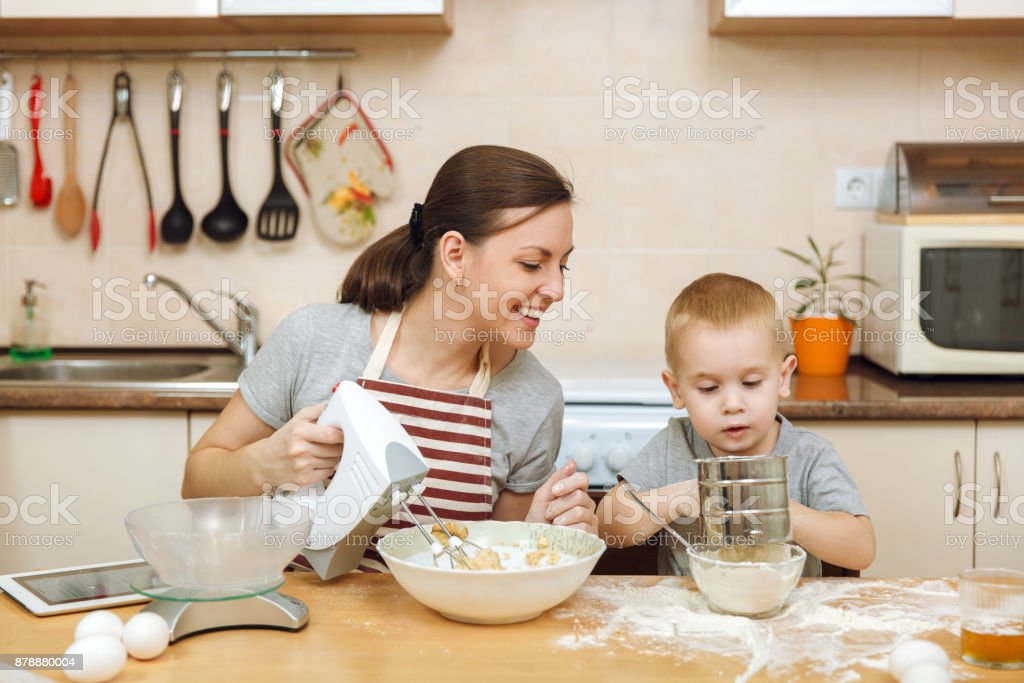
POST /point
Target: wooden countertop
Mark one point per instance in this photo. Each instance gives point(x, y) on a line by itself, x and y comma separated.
point(865, 392)
point(365, 628)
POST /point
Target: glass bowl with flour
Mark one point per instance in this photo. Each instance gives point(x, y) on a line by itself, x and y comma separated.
point(747, 580)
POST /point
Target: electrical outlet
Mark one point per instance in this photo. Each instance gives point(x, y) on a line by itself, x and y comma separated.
point(857, 188)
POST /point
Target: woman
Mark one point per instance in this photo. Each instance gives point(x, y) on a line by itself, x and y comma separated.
point(449, 301)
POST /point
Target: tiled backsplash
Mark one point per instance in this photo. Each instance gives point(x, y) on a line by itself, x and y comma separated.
point(651, 215)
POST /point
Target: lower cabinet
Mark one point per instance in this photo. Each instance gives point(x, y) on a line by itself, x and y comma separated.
point(943, 495)
point(929, 485)
point(67, 479)
point(999, 533)
point(908, 473)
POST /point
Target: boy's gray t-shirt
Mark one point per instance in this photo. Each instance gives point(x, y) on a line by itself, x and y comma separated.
point(320, 345)
point(817, 479)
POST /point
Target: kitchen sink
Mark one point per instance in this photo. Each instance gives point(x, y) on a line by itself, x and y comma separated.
point(100, 371)
point(123, 371)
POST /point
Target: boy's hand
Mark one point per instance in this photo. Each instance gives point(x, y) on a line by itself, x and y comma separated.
point(685, 501)
point(563, 500)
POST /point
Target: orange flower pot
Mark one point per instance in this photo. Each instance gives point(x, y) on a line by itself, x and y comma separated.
point(822, 345)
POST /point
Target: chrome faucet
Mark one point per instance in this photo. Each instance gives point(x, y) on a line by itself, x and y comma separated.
point(244, 343)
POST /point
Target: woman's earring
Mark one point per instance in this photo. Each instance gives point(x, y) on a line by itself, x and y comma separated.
point(460, 281)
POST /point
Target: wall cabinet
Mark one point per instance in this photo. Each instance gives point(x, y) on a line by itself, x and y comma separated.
point(838, 8)
point(865, 17)
point(926, 485)
point(107, 9)
point(330, 7)
point(217, 17)
point(67, 479)
point(988, 9)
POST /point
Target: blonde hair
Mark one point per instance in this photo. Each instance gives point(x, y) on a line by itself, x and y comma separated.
point(721, 300)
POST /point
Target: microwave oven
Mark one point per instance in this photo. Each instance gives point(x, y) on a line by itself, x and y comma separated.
point(948, 298)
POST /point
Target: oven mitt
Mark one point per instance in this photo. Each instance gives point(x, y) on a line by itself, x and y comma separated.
point(343, 166)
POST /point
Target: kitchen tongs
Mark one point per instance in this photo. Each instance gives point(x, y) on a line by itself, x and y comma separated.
point(122, 110)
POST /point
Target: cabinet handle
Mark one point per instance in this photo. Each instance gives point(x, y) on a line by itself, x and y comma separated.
point(958, 465)
point(999, 481)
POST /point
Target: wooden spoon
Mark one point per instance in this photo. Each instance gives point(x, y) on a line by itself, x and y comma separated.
point(70, 208)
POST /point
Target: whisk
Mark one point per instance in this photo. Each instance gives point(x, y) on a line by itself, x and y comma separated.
point(457, 555)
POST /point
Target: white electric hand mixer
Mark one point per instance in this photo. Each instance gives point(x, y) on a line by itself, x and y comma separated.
point(380, 469)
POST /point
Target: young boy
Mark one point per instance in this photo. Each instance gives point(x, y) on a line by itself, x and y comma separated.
point(728, 366)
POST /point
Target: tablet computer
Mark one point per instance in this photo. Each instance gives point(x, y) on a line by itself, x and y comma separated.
point(75, 589)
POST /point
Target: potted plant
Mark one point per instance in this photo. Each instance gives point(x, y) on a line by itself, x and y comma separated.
point(822, 326)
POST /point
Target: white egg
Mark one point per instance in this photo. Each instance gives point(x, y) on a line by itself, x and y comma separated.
point(926, 672)
point(146, 635)
point(103, 657)
point(100, 622)
point(909, 653)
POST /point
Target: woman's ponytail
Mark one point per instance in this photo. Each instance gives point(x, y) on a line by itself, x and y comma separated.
point(387, 274)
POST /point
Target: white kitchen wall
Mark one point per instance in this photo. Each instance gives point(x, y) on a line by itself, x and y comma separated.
point(651, 215)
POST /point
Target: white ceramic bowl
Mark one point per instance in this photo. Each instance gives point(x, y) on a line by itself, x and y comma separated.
point(493, 596)
point(208, 543)
point(746, 588)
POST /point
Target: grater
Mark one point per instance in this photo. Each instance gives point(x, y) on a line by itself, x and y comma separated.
point(8, 152)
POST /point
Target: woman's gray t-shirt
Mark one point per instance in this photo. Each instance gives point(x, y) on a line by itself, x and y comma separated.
point(320, 345)
point(817, 478)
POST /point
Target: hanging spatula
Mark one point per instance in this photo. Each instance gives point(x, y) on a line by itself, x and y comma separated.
point(8, 152)
point(279, 216)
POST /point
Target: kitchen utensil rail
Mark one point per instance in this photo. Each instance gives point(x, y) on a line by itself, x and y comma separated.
point(164, 55)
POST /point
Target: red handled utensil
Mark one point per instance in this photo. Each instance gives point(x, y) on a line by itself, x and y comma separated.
point(41, 189)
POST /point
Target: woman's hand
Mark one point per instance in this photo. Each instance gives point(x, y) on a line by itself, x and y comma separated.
point(563, 500)
point(301, 452)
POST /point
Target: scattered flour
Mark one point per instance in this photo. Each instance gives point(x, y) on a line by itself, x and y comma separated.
point(827, 628)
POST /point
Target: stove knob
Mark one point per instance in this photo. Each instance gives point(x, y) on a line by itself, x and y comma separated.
point(583, 454)
point(618, 457)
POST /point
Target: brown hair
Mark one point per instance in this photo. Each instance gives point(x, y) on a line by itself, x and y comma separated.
point(721, 301)
point(469, 194)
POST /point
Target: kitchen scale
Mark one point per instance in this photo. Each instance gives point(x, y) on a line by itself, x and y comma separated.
point(187, 611)
point(190, 610)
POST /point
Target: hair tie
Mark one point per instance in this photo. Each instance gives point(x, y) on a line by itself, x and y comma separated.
point(416, 223)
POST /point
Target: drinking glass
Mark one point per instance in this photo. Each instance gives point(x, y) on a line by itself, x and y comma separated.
point(992, 618)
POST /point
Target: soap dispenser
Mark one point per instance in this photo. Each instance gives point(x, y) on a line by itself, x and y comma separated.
point(30, 330)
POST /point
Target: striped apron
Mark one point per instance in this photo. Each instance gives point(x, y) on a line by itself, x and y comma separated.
point(452, 431)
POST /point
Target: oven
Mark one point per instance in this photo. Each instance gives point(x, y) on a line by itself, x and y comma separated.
point(608, 421)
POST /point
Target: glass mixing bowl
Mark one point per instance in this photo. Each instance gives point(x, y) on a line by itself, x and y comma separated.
point(216, 543)
point(750, 581)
